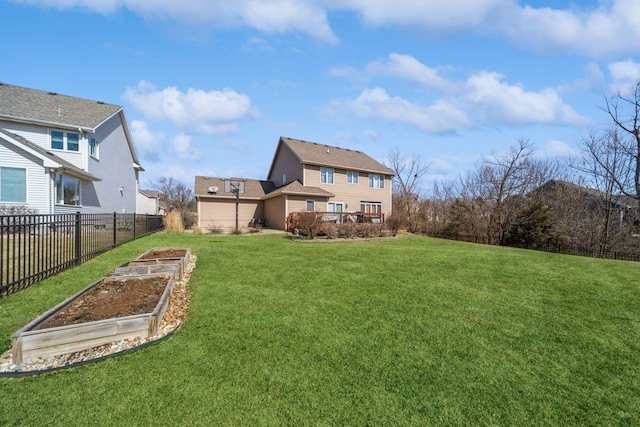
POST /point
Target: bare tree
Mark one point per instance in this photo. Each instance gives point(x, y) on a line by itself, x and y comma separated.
point(175, 195)
point(406, 185)
point(496, 185)
point(625, 115)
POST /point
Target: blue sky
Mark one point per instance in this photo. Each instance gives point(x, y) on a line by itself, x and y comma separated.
point(209, 87)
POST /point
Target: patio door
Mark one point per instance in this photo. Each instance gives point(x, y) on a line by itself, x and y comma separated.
point(337, 207)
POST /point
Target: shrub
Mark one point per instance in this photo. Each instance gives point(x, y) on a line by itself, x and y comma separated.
point(16, 210)
point(393, 223)
point(309, 224)
point(330, 230)
point(216, 229)
point(368, 231)
point(173, 222)
point(189, 219)
point(347, 230)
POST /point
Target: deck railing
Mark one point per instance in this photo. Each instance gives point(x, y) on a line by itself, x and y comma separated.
point(34, 247)
point(338, 218)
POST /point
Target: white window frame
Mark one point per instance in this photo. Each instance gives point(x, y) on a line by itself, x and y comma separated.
point(331, 207)
point(51, 132)
point(60, 185)
point(371, 207)
point(376, 181)
point(313, 204)
point(353, 177)
point(326, 175)
point(65, 140)
point(93, 148)
point(23, 195)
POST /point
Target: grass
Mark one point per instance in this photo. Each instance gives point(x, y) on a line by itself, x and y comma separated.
point(409, 331)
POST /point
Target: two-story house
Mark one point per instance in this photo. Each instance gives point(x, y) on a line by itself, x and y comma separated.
point(304, 177)
point(63, 154)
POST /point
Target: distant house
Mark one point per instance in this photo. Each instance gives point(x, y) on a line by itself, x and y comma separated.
point(63, 154)
point(304, 177)
point(149, 203)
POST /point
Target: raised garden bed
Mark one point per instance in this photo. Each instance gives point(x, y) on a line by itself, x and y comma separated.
point(151, 266)
point(166, 256)
point(111, 309)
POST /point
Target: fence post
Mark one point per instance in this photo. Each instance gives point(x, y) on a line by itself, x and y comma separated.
point(134, 225)
point(78, 236)
point(115, 225)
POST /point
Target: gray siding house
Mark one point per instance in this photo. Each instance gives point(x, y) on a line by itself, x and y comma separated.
point(63, 154)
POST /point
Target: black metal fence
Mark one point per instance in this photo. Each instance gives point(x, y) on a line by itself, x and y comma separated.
point(34, 247)
point(554, 247)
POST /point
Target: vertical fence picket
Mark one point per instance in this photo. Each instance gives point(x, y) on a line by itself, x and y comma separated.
point(34, 247)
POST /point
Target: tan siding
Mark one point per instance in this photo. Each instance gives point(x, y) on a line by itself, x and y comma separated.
point(222, 213)
point(274, 211)
point(285, 163)
point(299, 203)
point(350, 194)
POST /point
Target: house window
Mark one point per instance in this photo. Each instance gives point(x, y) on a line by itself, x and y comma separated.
point(311, 205)
point(93, 147)
point(67, 190)
point(352, 177)
point(284, 178)
point(13, 185)
point(57, 140)
point(73, 142)
point(376, 181)
point(371, 207)
point(231, 185)
point(326, 175)
point(335, 207)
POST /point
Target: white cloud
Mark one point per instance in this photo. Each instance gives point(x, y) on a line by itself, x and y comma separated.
point(609, 28)
point(452, 15)
point(555, 148)
point(147, 143)
point(596, 28)
point(377, 104)
point(181, 144)
point(409, 68)
point(496, 102)
point(484, 96)
point(625, 74)
point(215, 112)
point(267, 16)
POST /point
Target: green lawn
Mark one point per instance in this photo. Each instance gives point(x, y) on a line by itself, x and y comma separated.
point(407, 331)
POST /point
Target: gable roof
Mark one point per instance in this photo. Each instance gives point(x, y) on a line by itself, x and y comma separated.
point(254, 189)
point(553, 188)
point(50, 160)
point(295, 188)
point(21, 104)
point(312, 153)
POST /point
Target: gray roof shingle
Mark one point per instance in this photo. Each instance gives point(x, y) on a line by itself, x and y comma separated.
point(48, 107)
point(313, 153)
point(297, 189)
point(253, 188)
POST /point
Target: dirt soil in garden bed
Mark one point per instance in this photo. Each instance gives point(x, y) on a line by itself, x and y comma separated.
point(168, 253)
point(125, 296)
